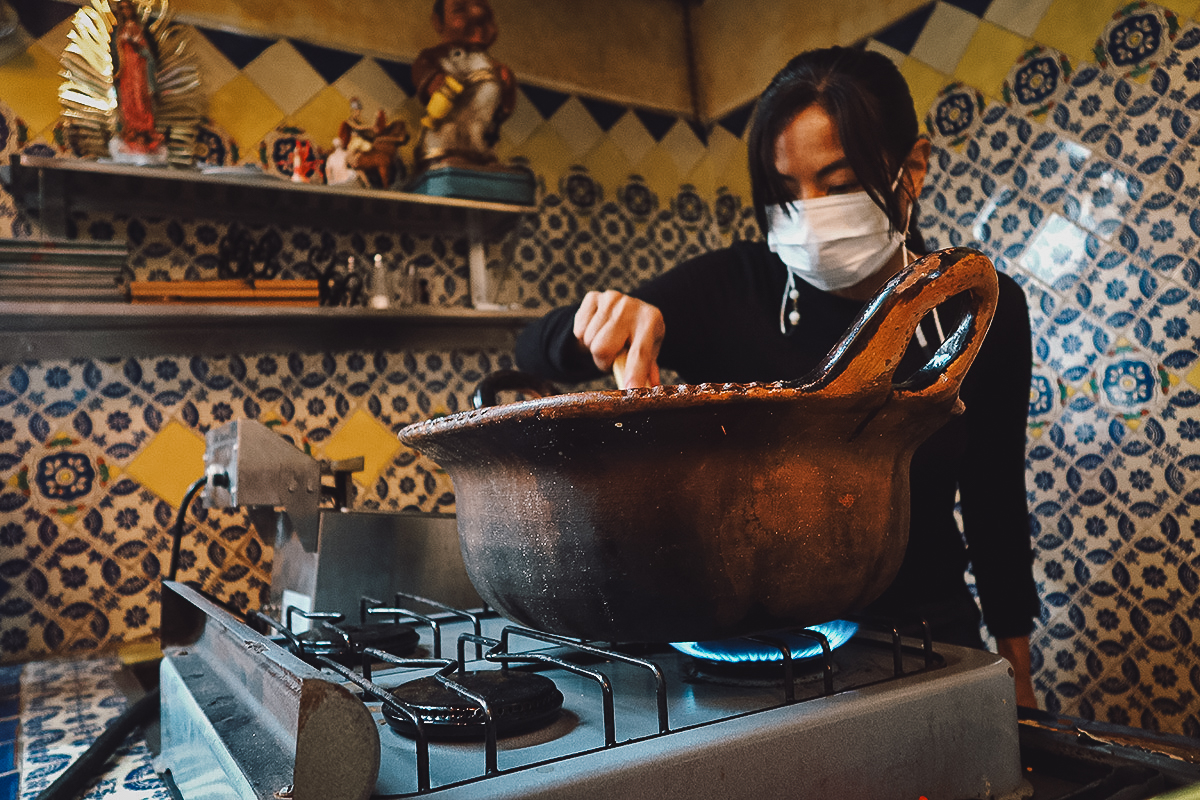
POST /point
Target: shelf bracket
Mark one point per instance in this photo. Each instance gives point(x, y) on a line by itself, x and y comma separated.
point(52, 200)
point(481, 289)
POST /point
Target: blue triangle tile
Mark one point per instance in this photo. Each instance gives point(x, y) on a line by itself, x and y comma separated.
point(39, 16)
point(399, 72)
point(903, 33)
point(736, 121)
point(976, 7)
point(656, 124)
point(605, 114)
point(701, 130)
point(239, 49)
point(546, 101)
point(329, 63)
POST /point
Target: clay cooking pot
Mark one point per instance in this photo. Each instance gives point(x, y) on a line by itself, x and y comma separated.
point(703, 512)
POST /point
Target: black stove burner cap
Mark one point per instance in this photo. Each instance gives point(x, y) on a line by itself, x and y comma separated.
point(390, 637)
point(520, 702)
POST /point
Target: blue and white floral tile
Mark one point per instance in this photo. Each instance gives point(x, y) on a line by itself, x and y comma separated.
point(1058, 253)
point(1048, 166)
point(959, 192)
point(1043, 305)
point(1137, 40)
point(1103, 197)
point(1006, 224)
point(67, 704)
point(223, 553)
point(1164, 226)
point(999, 140)
point(1116, 291)
point(1037, 82)
point(1179, 74)
point(955, 113)
point(1172, 323)
point(1088, 107)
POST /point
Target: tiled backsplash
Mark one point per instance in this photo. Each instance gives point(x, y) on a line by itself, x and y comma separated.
point(1072, 164)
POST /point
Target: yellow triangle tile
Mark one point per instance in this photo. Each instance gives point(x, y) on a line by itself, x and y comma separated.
point(367, 81)
point(703, 176)
point(321, 116)
point(171, 462)
point(608, 165)
point(735, 176)
point(363, 435)
point(285, 76)
point(215, 69)
point(29, 86)
point(924, 82)
point(546, 150)
point(1073, 26)
point(660, 172)
point(55, 41)
point(244, 112)
point(990, 54)
point(1193, 377)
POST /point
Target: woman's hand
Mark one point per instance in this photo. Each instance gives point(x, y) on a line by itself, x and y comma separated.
point(610, 323)
point(1016, 650)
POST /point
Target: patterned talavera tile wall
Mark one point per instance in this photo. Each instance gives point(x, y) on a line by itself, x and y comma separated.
point(1064, 148)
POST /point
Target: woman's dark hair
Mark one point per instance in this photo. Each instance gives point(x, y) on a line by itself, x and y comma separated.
point(868, 100)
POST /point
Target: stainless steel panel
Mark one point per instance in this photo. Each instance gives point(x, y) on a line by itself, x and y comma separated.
point(374, 554)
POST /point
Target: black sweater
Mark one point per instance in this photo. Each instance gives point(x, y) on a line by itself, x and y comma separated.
point(722, 325)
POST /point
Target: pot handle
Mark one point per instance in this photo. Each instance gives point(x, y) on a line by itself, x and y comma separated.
point(509, 380)
point(864, 362)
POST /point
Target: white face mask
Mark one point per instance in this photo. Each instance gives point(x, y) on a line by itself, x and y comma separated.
point(832, 242)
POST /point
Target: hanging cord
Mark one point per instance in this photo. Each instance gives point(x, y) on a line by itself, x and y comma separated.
point(79, 776)
point(219, 479)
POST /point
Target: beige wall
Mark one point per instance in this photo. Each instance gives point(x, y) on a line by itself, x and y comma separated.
point(740, 44)
point(628, 50)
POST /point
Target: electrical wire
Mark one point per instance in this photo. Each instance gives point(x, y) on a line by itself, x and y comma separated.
point(216, 479)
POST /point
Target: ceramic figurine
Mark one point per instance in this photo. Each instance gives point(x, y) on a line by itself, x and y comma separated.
point(337, 171)
point(135, 68)
point(307, 163)
point(131, 90)
point(467, 94)
point(368, 151)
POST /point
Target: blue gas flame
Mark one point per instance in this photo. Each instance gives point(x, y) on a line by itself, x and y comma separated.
point(838, 632)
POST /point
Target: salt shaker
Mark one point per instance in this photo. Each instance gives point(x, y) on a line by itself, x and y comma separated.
point(379, 284)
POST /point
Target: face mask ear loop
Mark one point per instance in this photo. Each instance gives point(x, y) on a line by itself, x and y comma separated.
point(907, 220)
point(787, 293)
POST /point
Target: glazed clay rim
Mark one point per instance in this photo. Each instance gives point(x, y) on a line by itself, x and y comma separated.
point(613, 404)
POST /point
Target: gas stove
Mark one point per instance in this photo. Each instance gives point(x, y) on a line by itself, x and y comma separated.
point(375, 671)
point(882, 716)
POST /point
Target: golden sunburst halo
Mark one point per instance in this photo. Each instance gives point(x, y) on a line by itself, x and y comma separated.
point(88, 94)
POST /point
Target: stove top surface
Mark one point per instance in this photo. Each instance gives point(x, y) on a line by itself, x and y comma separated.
point(883, 719)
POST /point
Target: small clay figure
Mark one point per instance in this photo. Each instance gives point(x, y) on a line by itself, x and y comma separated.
point(370, 150)
point(467, 93)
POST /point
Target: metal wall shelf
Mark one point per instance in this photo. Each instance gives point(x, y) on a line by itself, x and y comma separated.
point(53, 188)
point(37, 331)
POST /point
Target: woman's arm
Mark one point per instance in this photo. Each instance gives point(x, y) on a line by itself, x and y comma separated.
point(992, 483)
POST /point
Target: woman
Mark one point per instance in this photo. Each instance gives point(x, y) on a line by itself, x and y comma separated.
point(836, 165)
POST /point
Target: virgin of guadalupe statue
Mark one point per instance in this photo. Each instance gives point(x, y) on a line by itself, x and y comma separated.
point(135, 68)
point(131, 90)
